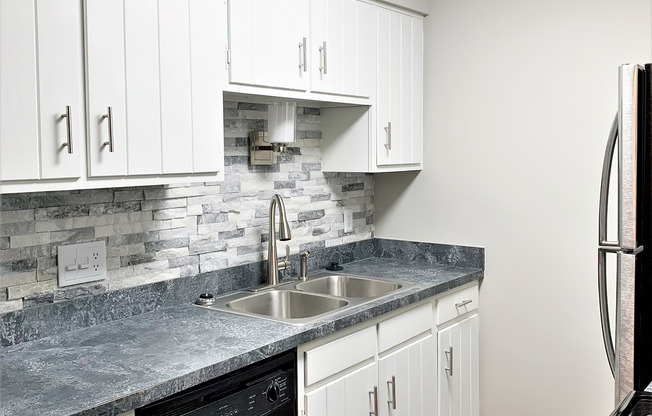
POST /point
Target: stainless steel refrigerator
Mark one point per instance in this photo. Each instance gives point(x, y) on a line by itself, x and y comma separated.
point(629, 146)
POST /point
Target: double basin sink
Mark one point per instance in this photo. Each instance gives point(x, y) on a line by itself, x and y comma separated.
point(300, 302)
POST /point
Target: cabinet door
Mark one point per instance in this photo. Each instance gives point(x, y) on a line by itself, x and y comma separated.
point(268, 43)
point(459, 369)
point(407, 380)
point(400, 84)
point(349, 395)
point(40, 80)
point(154, 63)
point(342, 49)
point(105, 64)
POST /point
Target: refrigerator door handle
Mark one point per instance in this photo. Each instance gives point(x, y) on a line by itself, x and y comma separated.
point(604, 186)
point(604, 307)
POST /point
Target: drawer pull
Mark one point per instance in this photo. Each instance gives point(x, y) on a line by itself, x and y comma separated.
point(393, 383)
point(463, 303)
point(449, 357)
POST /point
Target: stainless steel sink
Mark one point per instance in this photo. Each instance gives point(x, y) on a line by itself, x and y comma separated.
point(297, 303)
point(286, 304)
point(348, 286)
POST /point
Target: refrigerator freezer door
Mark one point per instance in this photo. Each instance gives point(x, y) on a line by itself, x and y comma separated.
point(625, 318)
point(628, 124)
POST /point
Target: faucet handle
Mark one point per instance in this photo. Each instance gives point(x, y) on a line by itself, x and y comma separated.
point(284, 264)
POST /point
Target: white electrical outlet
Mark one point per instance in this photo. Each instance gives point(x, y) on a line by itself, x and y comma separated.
point(348, 220)
point(81, 263)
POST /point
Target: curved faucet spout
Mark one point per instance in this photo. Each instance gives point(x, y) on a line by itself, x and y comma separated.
point(273, 265)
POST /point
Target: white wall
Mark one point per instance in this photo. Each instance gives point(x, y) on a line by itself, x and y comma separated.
point(519, 97)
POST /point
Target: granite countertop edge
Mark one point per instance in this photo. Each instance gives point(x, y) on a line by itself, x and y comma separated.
point(431, 280)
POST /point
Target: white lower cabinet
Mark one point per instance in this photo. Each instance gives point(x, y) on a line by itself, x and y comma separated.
point(407, 382)
point(386, 367)
point(458, 355)
point(348, 395)
point(417, 361)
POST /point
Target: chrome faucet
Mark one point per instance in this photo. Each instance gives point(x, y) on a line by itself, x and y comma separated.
point(273, 264)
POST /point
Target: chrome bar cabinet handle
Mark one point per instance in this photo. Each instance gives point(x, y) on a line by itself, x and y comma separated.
point(375, 401)
point(388, 129)
point(393, 401)
point(449, 357)
point(109, 115)
point(322, 55)
point(303, 58)
point(68, 118)
point(463, 303)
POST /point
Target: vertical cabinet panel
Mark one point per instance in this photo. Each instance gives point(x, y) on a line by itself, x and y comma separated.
point(459, 391)
point(176, 100)
point(241, 42)
point(366, 49)
point(19, 121)
point(41, 64)
point(414, 391)
point(60, 69)
point(345, 396)
point(342, 37)
point(105, 64)
point(206, 46)
point(318, 35)
point(142, 87)
point(384, 86)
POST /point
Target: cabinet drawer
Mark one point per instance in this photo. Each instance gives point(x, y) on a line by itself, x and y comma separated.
point(404, 326)
point(339, 355)
point(457, 304)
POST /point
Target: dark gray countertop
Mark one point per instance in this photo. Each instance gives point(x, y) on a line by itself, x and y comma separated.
point(121, 365)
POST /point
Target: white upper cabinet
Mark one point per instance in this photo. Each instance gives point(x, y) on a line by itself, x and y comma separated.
point(41, 84)
point(399, 105)
point(153, 73)
point(154, 91)
point(342, 47)
point(268, 43)
point(388, 136)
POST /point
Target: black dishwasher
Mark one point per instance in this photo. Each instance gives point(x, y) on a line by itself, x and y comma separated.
point(266, 388)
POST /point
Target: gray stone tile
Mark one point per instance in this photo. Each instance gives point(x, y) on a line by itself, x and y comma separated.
point(320, 197)
point(126, 239)
point(4, 243)
point(285, 184)
point(75, 236)
point(13, 202)
point(252, 106)
point(115, 208)
point(152, 246)
point(309, 167)
point(212, 218)
point(315, 245)
point(225, 235)
point(17, 228)
point(311, 215)
point(352, 187)
point(64, 211)
point(136, 259)
point(17, 266)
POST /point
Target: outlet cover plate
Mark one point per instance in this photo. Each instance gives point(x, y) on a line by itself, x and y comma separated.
point(348, 220)
point(81, 263)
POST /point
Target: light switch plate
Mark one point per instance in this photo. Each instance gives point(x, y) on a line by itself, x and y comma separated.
point(81, 263)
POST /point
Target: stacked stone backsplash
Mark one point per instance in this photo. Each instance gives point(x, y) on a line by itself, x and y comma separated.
point(159, 233)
